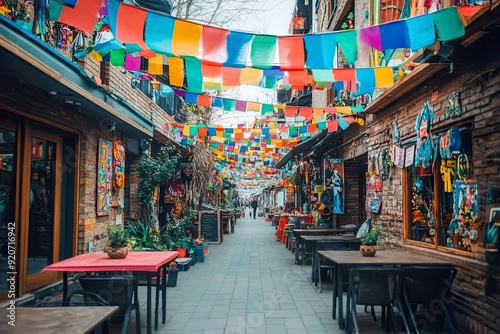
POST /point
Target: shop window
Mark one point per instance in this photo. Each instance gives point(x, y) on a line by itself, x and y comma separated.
point(443, 200)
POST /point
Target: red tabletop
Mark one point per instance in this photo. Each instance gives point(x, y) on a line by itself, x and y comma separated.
point(135, 261)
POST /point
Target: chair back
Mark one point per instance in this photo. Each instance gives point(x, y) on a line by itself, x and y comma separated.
point(375, 285)
point(115, 290)
point(336, 245)
point(424, 284)
point(354, 244)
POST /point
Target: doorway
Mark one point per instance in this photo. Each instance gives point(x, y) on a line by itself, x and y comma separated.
point(33, 204)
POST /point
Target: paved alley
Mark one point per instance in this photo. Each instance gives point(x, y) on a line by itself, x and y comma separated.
point(247, 284)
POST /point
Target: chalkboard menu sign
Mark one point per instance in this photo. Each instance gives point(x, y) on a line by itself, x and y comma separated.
point(210, 225)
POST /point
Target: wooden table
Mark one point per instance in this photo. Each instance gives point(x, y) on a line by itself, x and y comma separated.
point(381, 258)
point(151, 263)
point(298, 232)
point(55, 320)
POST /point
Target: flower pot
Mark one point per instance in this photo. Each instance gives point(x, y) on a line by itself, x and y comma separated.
point(182, 252)
point(368, 250)
point(172, 277)
point(117, 253)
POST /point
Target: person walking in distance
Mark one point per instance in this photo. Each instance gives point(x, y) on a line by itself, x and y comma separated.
point(254, 206)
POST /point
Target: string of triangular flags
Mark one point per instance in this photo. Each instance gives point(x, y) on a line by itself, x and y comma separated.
point(266, 109)
point(154, 35)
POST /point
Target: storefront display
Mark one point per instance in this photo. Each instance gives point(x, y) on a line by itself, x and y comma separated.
point(444, 203)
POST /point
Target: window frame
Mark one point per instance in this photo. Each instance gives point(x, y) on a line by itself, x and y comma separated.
point(437, 190)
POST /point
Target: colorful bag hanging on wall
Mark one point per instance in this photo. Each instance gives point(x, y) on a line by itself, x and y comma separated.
point(118, 164)
point(424, 152)
point(373, 186)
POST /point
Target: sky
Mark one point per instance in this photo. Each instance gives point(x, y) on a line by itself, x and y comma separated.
point(274, 19)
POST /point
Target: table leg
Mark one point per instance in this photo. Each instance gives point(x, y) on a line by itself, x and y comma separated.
point(65, 286)
point(297, 247)
point(148, 309)
point(164, 295)
point(340, 298)
point(302, 252)
point(335, 293)
point(157, 299)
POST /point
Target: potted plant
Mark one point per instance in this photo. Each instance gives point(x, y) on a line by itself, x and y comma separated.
point(369, 242)
point(184, 246)
point(144, 238)
point(118, 242)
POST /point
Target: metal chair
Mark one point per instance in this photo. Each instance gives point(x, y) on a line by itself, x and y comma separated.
point(378, 286)
point(430, 286)
point(118, 291)
point(320, 264)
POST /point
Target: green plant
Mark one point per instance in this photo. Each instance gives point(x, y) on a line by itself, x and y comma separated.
point(143, 237)
point(153, 173)
point(187, 243)
point(371, 237)
point(118, 237)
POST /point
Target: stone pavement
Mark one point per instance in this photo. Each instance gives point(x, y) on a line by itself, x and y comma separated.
point(248, 284)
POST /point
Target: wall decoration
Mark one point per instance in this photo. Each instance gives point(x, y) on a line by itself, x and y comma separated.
point(386, 164)
point(454, 106)
point(409, 156)
point(118, 164)
point(424, 138)
point(334, 184)
point(186, 172)
point(373, 186)
point(174, 192)
point(104, 177)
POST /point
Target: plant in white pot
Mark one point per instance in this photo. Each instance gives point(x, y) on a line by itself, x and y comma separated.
point(369, 242)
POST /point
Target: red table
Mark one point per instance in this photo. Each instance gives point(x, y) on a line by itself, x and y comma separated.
point(147, 262)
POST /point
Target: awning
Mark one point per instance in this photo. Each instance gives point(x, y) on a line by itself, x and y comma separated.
point(332, 140)
point(35, 63)
point(301, 148)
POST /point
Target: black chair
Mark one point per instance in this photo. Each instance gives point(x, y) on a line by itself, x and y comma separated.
point(320, 265)
point(378, 286)
point(429, 286)
point(118, 291)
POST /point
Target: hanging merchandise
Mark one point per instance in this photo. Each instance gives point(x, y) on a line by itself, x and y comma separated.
point(462, 166)
point(445, 147)
point(446, 170)
point(386, 164)
point(466, 212)
point(455, 140)
point(454, 107)
point(396, 132)
point(424, 150)
point(373, 186)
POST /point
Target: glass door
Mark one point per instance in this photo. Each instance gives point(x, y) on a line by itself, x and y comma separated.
point(43, 206)
point(8, 174)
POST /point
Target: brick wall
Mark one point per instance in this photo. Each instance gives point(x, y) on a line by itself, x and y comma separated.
point(132, 203)
point(90, 226)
